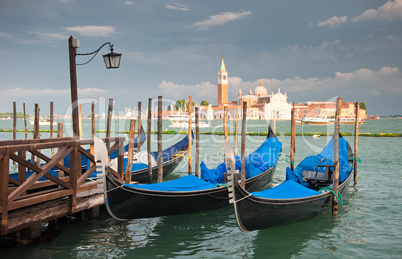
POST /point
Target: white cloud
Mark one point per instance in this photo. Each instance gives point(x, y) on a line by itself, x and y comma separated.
point(177, 6)
point(391, 10)
point(6, 35)
point(204, 89)
point(219, 19)
point(92, 30)
point(128, 3)
point(334, 21)
point(45, 37)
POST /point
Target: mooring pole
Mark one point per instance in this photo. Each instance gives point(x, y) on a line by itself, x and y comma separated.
point(336, 158)
point(243, 146)
point(109, 124)
point(160, 157)
point(92, 147)
point(225, 122)
point(274, 126)
point(197, 142)
point(356, 142)
point(72, 50)
point(25, 122)
point(190, 139)
point(235, 138)
point(293, 138)
point(60, 135)
point(51, 127)
point(139, 127)
point(14, 121)
point(130, 151)
point(149, 125)
point(80, 119)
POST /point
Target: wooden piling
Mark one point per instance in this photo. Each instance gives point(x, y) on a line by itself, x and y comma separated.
point(190, 132)
point(25, 123)
point(4, 172)
point(356, 142)
point(36, 130)
point(51, 127)
point(235, 138)
point(243, 146)
point(92, 148)
point(109, 123)
point(80, 119)
point(336, 158)
point(130, 151)
point(160, 157)
point(225, 123)
point(149, 130)
point(293, 138)
point(14, 121)
point(60, 135)
point(139, 127)
point(274, 122)
point(197, 142)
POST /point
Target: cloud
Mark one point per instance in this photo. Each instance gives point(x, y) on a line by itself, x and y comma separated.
point(92, 30)
point(6, 35)
point(128, 3)
point(334, 21)
point(391, 10)
point(177, 6)
point(201, 90)
point(18, 92)
point(219, 19)
point(46, 37)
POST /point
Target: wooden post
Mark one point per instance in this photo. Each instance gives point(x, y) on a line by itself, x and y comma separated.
point(4, 172)
point(293, 138)
point(51, 127)
point(36, 131)
point(60, 135)
point(73, 83)
point(336, 158)
point(225, 123)
point(190, 140)
point(235, 140)
point(160, 157)
point(109, 123)
point(75, 169)
point(80, 119)
point(25, 122)
point(243, 146)
point(197, 142)
point(356, 142)
point(14, 121)
point(130, 151)
point(92, 148)
point(274, 126)
point(149, 126)
point(139, 127)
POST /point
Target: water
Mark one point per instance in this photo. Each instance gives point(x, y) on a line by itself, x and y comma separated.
point(367, 226)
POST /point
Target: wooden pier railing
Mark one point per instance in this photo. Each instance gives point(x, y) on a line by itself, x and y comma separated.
point(27, 191)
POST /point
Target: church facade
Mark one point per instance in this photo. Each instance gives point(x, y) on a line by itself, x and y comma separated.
point(260, 105)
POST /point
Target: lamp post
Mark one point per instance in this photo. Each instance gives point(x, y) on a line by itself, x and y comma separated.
point(112, 61)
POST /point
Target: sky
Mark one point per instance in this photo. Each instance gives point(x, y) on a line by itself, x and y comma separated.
point(313, 50)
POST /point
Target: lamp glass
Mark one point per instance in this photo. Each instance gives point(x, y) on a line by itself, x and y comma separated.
point(112, 60)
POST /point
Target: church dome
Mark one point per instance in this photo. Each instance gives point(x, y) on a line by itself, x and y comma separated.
point(260, 90)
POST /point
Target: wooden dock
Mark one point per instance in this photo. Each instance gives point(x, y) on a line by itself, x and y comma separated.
point(27, 201)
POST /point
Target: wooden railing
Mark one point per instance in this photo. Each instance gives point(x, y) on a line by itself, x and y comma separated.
point(66, 183)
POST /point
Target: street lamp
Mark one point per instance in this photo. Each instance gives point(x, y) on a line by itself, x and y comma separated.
point(112, 60)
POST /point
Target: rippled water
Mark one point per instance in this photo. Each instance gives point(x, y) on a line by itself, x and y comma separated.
point(367, 226)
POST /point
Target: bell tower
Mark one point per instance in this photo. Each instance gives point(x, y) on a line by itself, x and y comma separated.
point(222, 84)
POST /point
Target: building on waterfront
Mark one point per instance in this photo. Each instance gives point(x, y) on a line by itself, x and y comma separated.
point(326, 109)
point(260, 105)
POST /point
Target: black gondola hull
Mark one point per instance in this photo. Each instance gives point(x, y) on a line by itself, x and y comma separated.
point(253, 213)
point(125, 202)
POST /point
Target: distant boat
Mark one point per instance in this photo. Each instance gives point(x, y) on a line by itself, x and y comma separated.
point(179, 117)
point(44, 122)
point(184, 124)
point(316, 120)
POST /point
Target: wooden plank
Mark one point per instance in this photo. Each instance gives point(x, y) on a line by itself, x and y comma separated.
point(116, 174)
point(75, 169)
point(48, 159)
point(85, 175)
point(32, 141)
point(4, 172)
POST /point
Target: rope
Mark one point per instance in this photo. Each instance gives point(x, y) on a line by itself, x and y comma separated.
point(120, 186)
point(329, 188)
point(221, 184)
point(287, 160)
point(179, 154)
point(357, 158)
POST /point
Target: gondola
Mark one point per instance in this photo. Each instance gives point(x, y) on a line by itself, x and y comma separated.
point(172, 156)
point(186, 194)
point(305, 193)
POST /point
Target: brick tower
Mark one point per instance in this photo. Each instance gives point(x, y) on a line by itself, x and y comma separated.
point(222, 84)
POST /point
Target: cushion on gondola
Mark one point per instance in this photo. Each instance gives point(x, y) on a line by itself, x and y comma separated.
point(325, 157)
point(286, 190)
point(183, 184)
point(257, 162)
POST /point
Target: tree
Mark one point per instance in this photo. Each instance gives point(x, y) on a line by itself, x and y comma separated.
point(362, 106)
point(204, 102)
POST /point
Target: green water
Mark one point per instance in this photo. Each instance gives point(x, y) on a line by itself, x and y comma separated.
point(367, 226)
